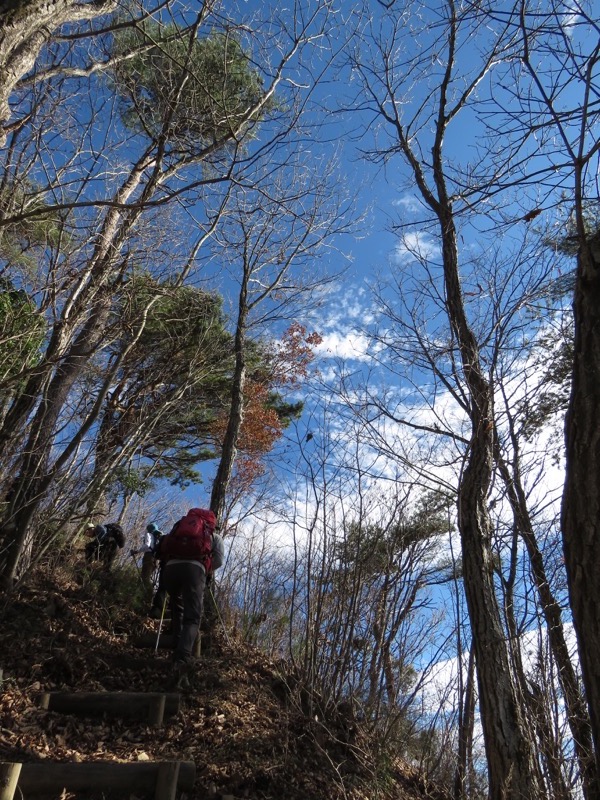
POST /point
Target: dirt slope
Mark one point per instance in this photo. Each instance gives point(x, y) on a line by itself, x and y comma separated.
point(240, 724)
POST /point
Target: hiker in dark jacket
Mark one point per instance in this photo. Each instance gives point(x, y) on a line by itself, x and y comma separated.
point(106, 541)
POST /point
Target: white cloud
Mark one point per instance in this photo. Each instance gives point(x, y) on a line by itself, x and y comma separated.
point(444, 673)
point(349, 345)
point(408, 202)
point(418, 245)
point(570, 18)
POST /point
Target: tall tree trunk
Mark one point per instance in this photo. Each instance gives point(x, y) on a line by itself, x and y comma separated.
point(465, 732)
point(236, 407)
point(512, 769)
point(577, 714)
point(25, 27)
point(229, 449)
point(538, 715)
point(581, 497)
point(30, 485)
point(549, 746)
point(116, 226)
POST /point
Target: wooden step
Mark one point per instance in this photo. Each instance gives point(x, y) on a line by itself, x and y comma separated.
point(152, 707)
point(149, 640)
point(161, 779)
point(166, 641)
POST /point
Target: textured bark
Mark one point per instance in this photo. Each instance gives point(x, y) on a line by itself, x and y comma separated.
point(30, 486)
point(76, 336)
point(25, 27)
point(581, 498)
point(236, 408)
point(577, 714)
point(463, 772)
point(512, 769)
point(116, 226)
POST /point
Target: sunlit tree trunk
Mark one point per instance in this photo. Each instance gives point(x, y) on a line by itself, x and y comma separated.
point(465, 733)
point(416, 126)
point(236, 408)
point(26, 26)
point(512, 769)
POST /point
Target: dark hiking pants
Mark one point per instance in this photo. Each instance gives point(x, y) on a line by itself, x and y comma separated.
point(148, 564)
point(160, 596)
point(105, 551)
point(185, 583)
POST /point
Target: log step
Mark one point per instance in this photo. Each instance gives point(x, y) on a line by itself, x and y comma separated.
point(161, 779)
point(152, 707)
point(166, 641)
point(149, 640)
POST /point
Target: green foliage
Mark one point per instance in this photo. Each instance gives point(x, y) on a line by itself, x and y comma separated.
point(18, 239)
point(286, 412)
point(132, 481)
point(555, 387)
point(556, 346)
point(180, 362)
point(192, 91)
point(374, 548)
point(22, 331)
point(179, 320)
point(568, 241)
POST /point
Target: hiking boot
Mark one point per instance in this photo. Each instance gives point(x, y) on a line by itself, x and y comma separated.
point(183, 683)
point(180, 675)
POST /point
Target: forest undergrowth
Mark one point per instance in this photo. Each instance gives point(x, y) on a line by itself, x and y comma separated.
point(241, 722)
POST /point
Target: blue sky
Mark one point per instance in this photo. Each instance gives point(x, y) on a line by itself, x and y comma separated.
point(385, 197)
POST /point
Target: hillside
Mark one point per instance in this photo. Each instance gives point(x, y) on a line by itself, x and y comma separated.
point(239, 723)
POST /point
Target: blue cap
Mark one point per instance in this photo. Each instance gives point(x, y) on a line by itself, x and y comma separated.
point(151, 527)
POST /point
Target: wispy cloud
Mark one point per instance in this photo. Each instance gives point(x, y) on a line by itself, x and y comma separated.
point(347, 345)
point(570, 18)
point(408, 202)
point(418, 245)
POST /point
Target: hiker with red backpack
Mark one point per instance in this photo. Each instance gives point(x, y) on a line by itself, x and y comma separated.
point(189, 552)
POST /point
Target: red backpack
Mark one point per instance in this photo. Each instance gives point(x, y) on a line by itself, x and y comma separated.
point(191, 538)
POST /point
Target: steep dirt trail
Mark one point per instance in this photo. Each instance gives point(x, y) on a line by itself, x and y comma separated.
point(238, 722)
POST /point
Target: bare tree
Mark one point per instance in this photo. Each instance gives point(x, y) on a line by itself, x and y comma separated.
point(271, 245)
point(573, 40)
point(26, 27)
point(415, 123)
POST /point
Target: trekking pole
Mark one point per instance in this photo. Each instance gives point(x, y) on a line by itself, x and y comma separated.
point(160, 624)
